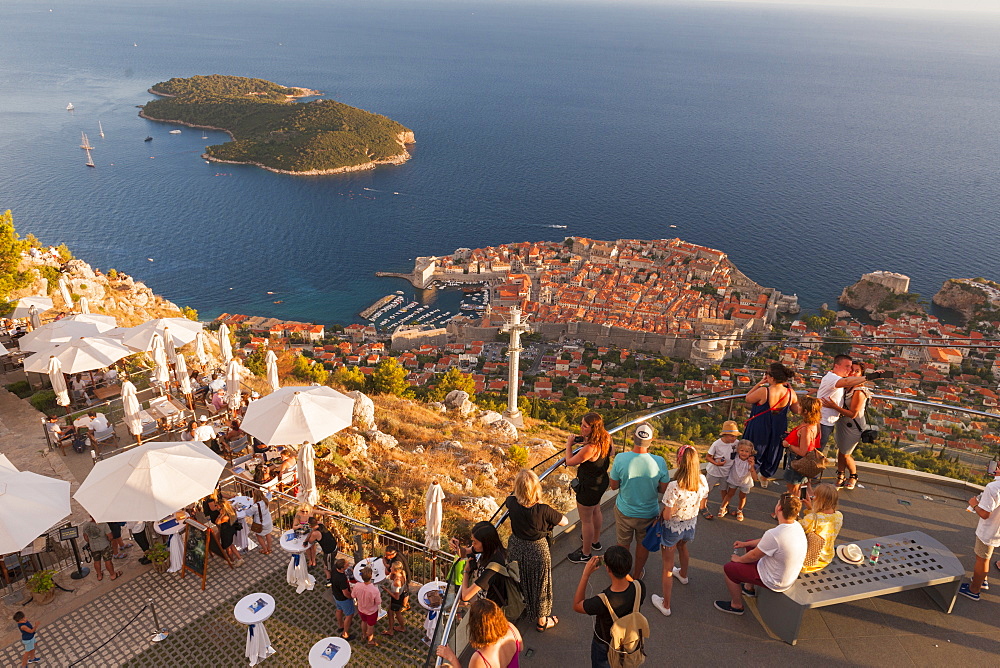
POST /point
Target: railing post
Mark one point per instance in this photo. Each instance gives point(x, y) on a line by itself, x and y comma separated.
point(159, 633)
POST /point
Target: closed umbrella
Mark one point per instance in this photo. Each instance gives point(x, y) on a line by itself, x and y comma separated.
point(29, 505)
point(272, 370)
point(83, 354)
point(225, 345)
point(298, 415)
point(169, 347)
point(131, 408)
point(34, 319)
point(433, 514)
point(161, 372)
point(64, 293)
point(305, 467)
point(58, 381)
point(84, 305)
point(59, 331)
point(150, 481)
point(24, 304)
point(182, 330)
point(199, 350)
point(181, 372)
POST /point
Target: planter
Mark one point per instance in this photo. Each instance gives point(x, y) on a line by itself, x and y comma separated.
point(43, 597)
point(161, 566)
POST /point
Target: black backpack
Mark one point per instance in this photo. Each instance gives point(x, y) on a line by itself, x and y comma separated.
point(80, 442)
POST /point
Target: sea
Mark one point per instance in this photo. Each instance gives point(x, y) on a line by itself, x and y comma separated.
point(811, 144)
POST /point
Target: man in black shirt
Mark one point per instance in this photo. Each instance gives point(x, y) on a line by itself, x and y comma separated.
point(621, 596)
point(342, 597)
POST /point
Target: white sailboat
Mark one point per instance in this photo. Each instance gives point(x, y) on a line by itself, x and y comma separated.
point(101, 129)
point(70, 107)
point(90, 159)
point(84, 142)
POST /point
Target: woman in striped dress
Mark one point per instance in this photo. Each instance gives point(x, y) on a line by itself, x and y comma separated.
point(530, 524)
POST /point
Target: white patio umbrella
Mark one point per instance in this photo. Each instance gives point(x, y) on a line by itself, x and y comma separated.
point(225, 345)
point(161, 372)
point(5, 466)
point(83, 354)
point(298, 414)
point(58, 381)
point(150, 481)
point(25, 303)
point(106, 322)
point(64, 293)
point(34, 318)
point(306, 469)
point(29, 505)
point(199, 349)
point(433, 514)
point(130, 405)
point(168, 346)
point(182, 330)
point(271, 361)
point(59, 331)
point(84, 305)
point(3, 351)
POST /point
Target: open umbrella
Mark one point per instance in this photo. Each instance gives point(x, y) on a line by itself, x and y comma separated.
point(59, 331)
point(298, 415)
point(182, 330)
point(64, 293)
point(24, 304)
point(34, 319)
point(84, 305)
point(225, 345)
point(161, 372)
point(305, 467)
point(58, 381)
point(106, 322)
point(433, 513)
point(199, 350)
point(29, 505)
point(3, 351)
point(5, 466)
point(130, 405)
point(83, 354)
point(150, 481)
point(272, 370)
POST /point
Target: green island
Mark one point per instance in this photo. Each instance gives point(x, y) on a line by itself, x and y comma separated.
point(270, 129)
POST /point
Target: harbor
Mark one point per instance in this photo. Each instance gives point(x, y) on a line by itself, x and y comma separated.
point(392, 311)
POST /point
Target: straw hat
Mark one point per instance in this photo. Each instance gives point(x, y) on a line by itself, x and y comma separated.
point(730, 427)
point(850, 554)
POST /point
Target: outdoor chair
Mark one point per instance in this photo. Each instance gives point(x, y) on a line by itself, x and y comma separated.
point(105, 436)
point(238, 445)
point(149, 429)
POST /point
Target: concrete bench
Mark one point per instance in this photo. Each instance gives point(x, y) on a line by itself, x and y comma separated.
point(911, 560)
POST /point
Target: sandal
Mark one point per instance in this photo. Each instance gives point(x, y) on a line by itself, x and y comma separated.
point(739, 515)
point(708, 516)
point(117, 575)
point(841, 479)
point(722, 511)
point(550, 621)
point(851, 481)
point(387, 633)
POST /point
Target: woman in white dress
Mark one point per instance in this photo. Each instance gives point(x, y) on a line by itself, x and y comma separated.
point(260, 513)
point(175, 538)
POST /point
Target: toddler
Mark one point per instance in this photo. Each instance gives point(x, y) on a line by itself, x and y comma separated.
point(720, 459)
point(741, 477)
point(434, 601)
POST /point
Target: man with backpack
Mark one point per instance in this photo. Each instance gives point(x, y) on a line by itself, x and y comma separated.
point(620, 629)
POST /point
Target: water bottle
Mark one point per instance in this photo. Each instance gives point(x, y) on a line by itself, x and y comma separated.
point(876, 551)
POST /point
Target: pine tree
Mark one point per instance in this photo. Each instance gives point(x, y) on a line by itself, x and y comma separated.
point(389, 378)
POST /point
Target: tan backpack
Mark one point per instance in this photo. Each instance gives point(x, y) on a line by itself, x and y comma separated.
point(628, 634)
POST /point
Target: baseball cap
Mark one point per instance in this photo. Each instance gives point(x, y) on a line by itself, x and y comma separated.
point(729, 427)
point(644, 432)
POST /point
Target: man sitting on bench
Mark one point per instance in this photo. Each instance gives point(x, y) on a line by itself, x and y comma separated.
point(773, 561)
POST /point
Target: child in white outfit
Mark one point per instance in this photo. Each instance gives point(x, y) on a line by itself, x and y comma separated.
point(720, 460)
point(741, 477)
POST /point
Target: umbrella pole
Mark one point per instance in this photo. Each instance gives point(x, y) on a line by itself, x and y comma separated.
point(190, 402)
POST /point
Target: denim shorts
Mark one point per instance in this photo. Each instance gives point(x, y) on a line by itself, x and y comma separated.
point(346, 607)
point(28, 644)
point(669, 538)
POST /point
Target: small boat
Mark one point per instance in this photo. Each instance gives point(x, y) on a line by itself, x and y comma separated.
point(203, 135)
point(673, 226)
point(175, 132)
point(70, 107)
point(84, 142)
point(279, 302)
point(90, 159)
point(101, 129)
point(148, 139)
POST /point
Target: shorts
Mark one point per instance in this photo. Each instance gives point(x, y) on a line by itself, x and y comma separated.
point(670, 538)
point(397, 604)
point(101, 555)
point(793, 477)
point(717, 480)
point(742, 489)
point(29, 645)
point(346, 606)
point(982, 550)
point(371, 619)
point(328, 561)
point(629, 528)
point(590, 495)
point(116, 529)
point(739, 572)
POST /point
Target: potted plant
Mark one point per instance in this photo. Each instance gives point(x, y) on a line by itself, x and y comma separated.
point(42, 586)
point(159, 555)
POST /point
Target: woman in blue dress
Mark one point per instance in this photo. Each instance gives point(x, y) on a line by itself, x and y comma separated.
point(770, 400)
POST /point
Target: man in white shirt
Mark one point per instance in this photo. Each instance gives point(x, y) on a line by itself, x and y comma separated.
point(832, 386)
point(773, 561)
point(987, 506)
point(98, 421)
point(205, 432)
point(217, 385)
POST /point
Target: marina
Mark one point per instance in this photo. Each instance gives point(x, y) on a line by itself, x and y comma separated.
point(392, 311)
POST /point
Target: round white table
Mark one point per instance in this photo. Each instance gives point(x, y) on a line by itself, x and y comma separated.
point(252, 610)
point(437, 585)
point(297, 574)
point(330, 653)
point(175, 541)
point(377, 566)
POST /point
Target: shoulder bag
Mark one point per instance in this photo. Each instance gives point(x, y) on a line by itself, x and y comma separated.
point(814, 544)
point(255, 526)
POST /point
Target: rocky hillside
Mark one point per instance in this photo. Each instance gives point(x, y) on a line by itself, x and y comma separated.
point(879, 301)
point(969, 297)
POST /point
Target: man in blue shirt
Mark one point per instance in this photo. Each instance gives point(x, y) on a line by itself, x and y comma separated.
point(640, 479)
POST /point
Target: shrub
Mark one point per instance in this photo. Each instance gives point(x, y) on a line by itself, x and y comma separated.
point(112, 274)
point(20, 388)
point(42, 581)
point(43, 401)
point(518, 455)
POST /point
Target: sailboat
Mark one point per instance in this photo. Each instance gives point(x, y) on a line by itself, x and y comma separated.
point(84, 142)
point(101, 129)
point(70, 107)
point(203, 135)
point(90, 158)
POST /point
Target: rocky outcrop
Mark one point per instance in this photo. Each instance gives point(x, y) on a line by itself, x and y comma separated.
point(504, 429)
point(381, 439)
point(459, 400)
point(878, 300)
point(364, 411)
point(480, 507)
point(967, 296)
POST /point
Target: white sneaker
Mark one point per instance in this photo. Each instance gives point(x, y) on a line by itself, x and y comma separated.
point(677, 576)
point(763, 483)
point(658, 602)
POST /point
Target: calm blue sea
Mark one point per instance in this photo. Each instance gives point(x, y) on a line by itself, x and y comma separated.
point(812, 145)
